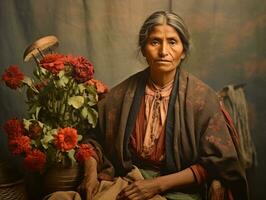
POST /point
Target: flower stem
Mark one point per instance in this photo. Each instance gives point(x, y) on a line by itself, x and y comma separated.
point(66, 97)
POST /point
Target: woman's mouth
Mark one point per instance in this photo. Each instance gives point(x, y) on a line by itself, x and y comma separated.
point(163, 61)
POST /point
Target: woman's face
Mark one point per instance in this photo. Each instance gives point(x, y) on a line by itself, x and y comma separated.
point(164, 49)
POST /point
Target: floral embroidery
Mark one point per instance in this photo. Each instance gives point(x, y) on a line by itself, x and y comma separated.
point(219, 142)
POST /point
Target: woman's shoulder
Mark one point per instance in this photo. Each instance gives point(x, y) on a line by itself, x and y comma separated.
point(198, 93)
point(193, 82)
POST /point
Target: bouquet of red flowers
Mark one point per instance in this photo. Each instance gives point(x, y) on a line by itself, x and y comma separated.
point(61, 101)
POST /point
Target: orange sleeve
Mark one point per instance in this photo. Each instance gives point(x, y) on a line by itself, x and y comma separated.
point(200, 173)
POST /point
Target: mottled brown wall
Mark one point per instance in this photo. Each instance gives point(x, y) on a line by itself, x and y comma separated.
point(229, 47)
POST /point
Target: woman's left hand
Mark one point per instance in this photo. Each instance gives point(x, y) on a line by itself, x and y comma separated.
point(138, 190)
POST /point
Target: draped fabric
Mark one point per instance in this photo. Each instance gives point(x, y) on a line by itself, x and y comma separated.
point(108, 190)
point(200, 134)
point(148, 136)
point(235, 102)
point(156, 101)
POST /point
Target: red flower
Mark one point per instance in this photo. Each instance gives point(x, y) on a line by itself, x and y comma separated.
point(14, 128)
point(68, 59)
point(66, 139)
point(100, 86)
point(53, 63)
point(13, 77)
point(35, 160)
point(18, 145)
point(84, 152)
point(82, 69)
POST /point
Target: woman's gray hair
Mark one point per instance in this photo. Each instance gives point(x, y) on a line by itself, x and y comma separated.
point(161, 18)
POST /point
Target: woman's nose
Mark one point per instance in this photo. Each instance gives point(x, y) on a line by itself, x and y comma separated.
point(163, 50)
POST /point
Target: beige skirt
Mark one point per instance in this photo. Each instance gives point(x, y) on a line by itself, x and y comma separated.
point(108, 190)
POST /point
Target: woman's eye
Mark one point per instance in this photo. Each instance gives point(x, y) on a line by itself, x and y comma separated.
point(154, 42)
point(172, 42)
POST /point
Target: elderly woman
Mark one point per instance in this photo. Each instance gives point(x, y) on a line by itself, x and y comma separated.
point(163, 130)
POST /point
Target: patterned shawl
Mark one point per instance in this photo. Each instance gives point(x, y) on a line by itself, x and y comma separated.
point(196, 131)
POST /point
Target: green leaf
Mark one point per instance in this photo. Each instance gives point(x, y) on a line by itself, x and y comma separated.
point(36, 73)
point(44, 71)
point(92, 116)
point(26, 124)
point(46, 140)
point(52, 132)
point(38, 108)
point(62, 82)
point(71, 155)
point(34, 110)
point(81, 87)
point(59, 157)
point(91, 89)
point(76, 90)
point(76, 101)
point(61, 73)
point(80, 137)
point(47, 130)
point(28, 81)
point(92, 99)
point(84, 112)
point(34, 143)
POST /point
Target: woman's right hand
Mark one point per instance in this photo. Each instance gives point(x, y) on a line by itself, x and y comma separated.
point(89, 185)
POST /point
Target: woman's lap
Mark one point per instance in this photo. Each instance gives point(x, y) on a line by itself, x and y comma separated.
point(108, 190)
